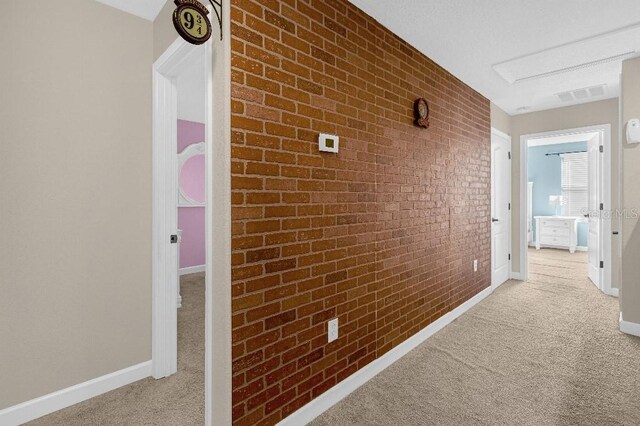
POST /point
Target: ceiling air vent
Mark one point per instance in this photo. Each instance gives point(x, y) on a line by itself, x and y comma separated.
point(596, 91)
point(584, 93)
point(581, 94)
point(565, 96)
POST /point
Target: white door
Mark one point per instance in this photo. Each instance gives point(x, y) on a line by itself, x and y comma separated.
point(500, 208)
point(593, 185)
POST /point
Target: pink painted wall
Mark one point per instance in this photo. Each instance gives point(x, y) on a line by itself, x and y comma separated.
point(192, 178)
point(191, 219)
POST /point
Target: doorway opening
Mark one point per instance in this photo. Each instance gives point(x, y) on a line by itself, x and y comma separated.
point(182, 162)
point(565, 222)
point(177, 61)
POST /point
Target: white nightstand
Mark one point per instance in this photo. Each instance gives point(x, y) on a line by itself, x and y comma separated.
point(557, 232)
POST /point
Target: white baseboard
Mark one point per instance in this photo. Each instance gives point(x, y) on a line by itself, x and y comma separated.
point(191, 270)
point(515, 276)
point(629, 327)
point(334, 395)
point(31, 410)
point(615, 292)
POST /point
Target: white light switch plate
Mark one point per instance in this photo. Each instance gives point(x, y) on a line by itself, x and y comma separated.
point(475, 266)
point(333, 329)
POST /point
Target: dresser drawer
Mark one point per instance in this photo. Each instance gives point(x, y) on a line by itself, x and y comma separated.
point(554, 223)
point(554, 232)
point(556, 241)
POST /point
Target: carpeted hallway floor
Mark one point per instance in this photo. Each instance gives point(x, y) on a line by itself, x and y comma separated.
point(545, 352)
point(176, 400)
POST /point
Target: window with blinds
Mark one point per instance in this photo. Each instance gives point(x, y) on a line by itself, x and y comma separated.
point(575, 195)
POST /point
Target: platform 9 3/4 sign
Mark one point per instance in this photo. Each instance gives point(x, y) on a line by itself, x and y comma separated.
point(191, 21)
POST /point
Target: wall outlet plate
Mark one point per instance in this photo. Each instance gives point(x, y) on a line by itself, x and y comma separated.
point(329, 143)
point(475, 265)
point(332, 329)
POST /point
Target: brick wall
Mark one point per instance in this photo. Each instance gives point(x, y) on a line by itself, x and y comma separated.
point(381, 235)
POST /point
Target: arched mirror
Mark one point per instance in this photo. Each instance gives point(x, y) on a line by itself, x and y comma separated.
point(191, 176)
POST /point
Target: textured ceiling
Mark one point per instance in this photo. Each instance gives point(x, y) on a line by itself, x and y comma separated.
point(473, 38)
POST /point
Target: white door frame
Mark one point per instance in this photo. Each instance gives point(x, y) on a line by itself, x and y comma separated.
point(217, 216)
point(503, 135)
point(165, 205)
point(605, 131)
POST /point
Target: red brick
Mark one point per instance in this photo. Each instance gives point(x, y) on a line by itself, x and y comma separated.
point(382, 234)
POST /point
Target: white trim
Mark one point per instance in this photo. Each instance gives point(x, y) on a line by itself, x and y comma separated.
point(334, 395)
point(209, 161)
point(516, 276)
point(218, 386)
point(500, 133)
point(192, 269)
point(629, 327)
point(607, 243)
point(605, 130)
point(524, 181)
point(166, 69)
point(47, 404)
point(614, 292)
point(552, 140)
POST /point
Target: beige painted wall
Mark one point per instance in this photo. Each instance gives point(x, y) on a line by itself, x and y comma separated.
point(75, 194)
point(630, 291)
point(163, 31)
point(594, 113)
point(500, 120)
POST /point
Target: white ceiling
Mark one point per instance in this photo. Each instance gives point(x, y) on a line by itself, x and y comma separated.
point(521, 54)
point(490, 43)
point(145, 9)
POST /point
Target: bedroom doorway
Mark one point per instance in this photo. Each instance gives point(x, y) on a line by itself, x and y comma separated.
point(566, 222)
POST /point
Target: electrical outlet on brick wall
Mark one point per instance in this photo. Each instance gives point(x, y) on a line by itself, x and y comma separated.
point(475, 265)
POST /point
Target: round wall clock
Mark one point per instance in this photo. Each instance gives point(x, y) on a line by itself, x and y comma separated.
point(421, 112)
point(191, 21)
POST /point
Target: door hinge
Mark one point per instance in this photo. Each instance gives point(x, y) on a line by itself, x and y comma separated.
point(173, 239)
point(601, 206)
point(509, 154)
point(509, 206)
point(509, 256)
point(601, 148)
point(601, 264)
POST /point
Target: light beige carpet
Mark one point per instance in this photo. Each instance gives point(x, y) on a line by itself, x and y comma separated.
point(176, 400)
point(545, 352)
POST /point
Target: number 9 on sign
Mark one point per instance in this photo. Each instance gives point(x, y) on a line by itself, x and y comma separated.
point(192, 24)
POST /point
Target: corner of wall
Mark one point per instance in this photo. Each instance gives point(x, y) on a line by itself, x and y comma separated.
point(500, 120)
